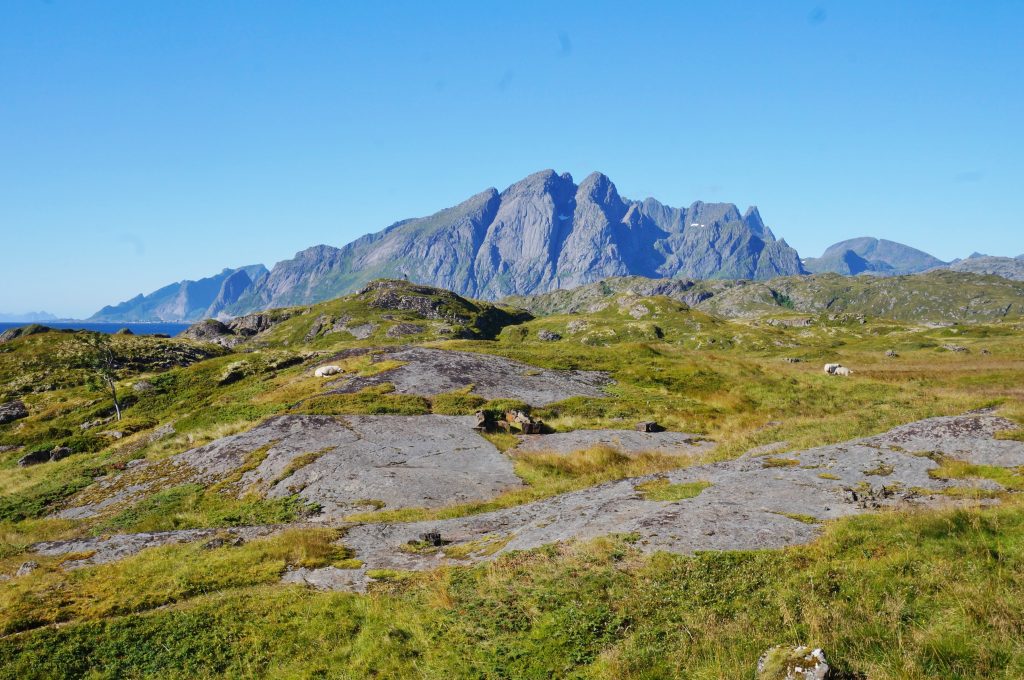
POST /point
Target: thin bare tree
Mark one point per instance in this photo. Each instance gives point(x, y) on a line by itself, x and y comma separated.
point(102, 362)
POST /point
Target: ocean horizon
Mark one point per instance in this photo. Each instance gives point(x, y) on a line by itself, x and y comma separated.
point(138, 328)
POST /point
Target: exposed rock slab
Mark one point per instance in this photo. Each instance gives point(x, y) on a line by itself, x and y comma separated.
point(753, 502)
point(429, 371)
point(626, 441)
point(966, 438)
point(103, 549)
point(340, 464)
point(11, 411)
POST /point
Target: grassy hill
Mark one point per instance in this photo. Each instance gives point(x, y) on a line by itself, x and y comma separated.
point(892, 594)
point(932, 297)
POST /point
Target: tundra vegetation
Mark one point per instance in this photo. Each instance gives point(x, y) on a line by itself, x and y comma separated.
point(891, 594)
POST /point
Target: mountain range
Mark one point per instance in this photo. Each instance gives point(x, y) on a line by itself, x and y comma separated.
point(542, 233)
point(186, 300)
point(33, 317)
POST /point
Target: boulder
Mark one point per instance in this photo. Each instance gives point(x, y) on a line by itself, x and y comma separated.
point(548, 336)
point(402, 329)
point(124, 331)
point(34, 458)
point(12, 410)
point(960, 349)
point(793, 663)
point(891, 353)
point(432, 538)
point(234, 372)
point(142, 386)
point(27, 568)
point(60, 452)
point(165, 430)
point(327, 371)
point(648, 426)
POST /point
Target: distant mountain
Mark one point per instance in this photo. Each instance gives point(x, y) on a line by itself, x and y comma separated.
point(542, 233)
point(187, 300)
point(28, 317)
point(867, 255)
point(1007, 267)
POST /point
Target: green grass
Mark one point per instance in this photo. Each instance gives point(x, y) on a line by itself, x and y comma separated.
point(1009, 478)
point(893, 596)
point(663, 490)
point(775, 462)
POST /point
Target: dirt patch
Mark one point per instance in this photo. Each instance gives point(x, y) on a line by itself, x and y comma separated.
point(428, 372)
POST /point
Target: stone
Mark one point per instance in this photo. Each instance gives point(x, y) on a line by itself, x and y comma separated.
point(400, 330)
point(124, 331)
point(34, 458)
point(142, 387)
point(113, 434)
point(27, 568)
point(960, 349)
point(11, 411)
point(60, 452)
point(891, 354)
point(792, 360)
point(793, 663)
point(431, 538)
point(548, 336)
point(577, 326)
point(234, 372)
point(165, 430)
point(648, 426)
point(221, 541)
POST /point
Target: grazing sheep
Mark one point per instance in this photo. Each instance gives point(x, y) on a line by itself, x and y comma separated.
point(831, 368)
point(843, 371)
point(326, 371)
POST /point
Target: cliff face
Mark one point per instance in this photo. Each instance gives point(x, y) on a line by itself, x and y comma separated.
point(542, 233)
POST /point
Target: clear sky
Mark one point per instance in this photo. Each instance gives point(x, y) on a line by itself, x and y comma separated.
point(147, 142)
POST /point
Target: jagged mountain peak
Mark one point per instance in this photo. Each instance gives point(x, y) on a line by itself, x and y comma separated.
point(540, 233)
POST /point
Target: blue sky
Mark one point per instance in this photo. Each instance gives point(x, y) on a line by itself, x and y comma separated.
point(146, 142)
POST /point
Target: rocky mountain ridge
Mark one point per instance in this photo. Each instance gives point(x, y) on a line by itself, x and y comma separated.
point(187, 300)
point(540, 234)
